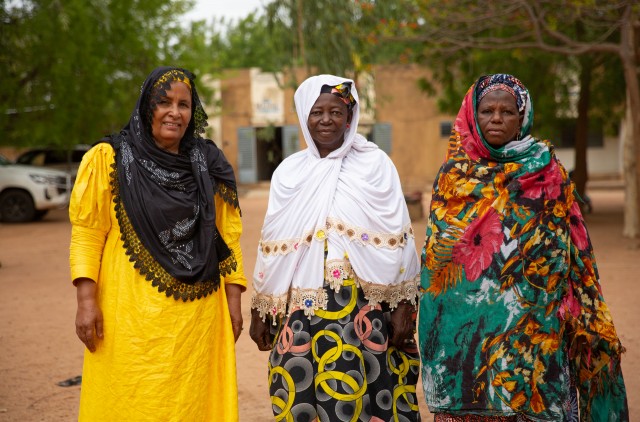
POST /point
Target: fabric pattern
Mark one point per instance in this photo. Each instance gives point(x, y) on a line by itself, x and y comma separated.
point(336, 255)
point(354, 190)
point(342, 91)
point(512, 318)
point(167, 199)
point(508, 83)
point(337, 365)
point(160, 359)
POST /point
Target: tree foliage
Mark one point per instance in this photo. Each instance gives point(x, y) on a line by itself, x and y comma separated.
point(595, 43)
point(331, 36)
point(71, 66)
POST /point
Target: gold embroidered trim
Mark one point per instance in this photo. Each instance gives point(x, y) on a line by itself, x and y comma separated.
point(269, 305)
point(229, 265)
point(353, 233)
point(149, 267)
point(394, 294)
point(228, 195)
point(173, 75)
point(367, 237)
point(309, 300)
point(283, 247)
point(336, 272)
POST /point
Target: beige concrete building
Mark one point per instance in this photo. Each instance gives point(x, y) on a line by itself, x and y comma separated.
point(258, 125)
point(253, 120)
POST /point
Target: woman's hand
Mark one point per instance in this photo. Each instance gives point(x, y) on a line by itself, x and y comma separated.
point(234, 292)
point(402, 325)
point(260, 331)
point(88, 315)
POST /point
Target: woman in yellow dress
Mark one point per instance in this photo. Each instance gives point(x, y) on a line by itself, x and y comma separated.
point(156, 260)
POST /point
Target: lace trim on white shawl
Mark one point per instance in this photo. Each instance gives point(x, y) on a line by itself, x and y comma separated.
point(336, 271)
point(353, 233)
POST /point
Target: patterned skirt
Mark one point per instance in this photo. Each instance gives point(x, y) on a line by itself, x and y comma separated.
point(444, 417)
point(338, 366)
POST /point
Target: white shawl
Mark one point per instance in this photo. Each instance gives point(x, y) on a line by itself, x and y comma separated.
point(352, 200)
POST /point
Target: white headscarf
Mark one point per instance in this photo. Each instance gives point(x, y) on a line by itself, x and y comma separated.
point(352, 200)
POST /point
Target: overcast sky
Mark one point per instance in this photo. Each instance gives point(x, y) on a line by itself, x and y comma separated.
point(230, 9)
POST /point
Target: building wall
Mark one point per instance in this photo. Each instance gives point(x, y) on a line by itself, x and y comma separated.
point(417, 149)
point(213, 130)
point(290, 115)
point(602, 162)
point(267, 99)
point(235, 92)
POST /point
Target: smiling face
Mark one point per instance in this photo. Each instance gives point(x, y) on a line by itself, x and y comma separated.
point(171, 117)
point(327, 123)
point(498, 118)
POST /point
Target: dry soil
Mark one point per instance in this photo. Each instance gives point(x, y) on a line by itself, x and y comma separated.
point(38, 345)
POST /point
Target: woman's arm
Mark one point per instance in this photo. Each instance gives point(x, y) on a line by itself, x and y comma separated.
point(230, 226)
point(260, 331)
point(234, 291)
point(88, 315)
point(89, 213)
point(402, 324)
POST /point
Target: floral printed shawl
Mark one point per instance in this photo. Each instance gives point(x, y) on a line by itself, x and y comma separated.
point(512, 317)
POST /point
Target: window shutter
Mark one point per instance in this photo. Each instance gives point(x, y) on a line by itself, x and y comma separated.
point(290, 140)
point(381, 136)
point(247, 160)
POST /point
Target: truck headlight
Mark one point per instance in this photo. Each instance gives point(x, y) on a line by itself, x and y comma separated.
point(42, 179)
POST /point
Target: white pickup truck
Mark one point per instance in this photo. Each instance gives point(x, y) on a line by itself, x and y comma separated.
point(27, 193)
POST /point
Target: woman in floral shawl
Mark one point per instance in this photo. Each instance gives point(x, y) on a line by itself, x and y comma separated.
point(513, 325)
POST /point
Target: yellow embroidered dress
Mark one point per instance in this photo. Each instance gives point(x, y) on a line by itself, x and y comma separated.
point(161, 359)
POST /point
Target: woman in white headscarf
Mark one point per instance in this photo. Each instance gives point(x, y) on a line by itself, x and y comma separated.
point(335, 283)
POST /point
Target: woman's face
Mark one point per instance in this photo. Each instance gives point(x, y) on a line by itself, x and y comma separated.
point(498, 118)
point(327, 123)
point(171, 117)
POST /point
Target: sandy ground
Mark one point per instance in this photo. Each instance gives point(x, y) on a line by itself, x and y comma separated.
point(38, 345)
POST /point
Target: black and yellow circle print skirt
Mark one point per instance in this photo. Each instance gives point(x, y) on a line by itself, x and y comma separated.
point(338, 366)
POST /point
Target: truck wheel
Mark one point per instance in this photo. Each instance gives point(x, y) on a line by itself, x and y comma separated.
point(40, 215)
point(16, 206)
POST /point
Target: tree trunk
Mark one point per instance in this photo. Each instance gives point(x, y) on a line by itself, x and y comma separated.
point(631, 169)
point(580, 173)
point(301, 46)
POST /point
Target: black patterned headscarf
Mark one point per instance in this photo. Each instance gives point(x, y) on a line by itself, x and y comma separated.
point(342, 91)
point(164, 201)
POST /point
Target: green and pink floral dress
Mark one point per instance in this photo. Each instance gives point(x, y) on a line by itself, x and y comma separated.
point(512, 320)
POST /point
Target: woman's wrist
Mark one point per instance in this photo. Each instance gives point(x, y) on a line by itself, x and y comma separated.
point(405, 303)
point(233, 291)
point(85, 289)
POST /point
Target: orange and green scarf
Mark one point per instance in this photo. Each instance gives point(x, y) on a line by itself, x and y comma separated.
point(512, 317)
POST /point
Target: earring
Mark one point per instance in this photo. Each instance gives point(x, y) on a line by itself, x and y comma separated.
point(348, 125)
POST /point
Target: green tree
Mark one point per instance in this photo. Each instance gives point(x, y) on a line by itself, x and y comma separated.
point(321, 36)
point(595, 31)
point(71, 67)
point(208, 48)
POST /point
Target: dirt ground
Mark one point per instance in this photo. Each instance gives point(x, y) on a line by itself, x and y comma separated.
point(38, 345)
